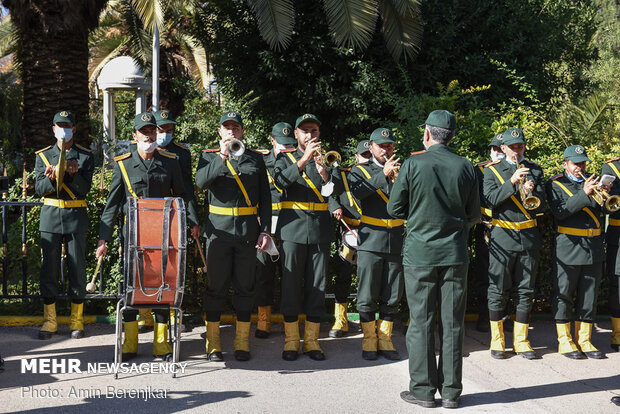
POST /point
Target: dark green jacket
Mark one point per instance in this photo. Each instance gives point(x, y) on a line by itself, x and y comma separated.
point(158, 178)
point(346, 200)
point(498, 199)
point(64, 220)
point(213, 175)
point(568, 211)
point(437, 192)
point(370, 237)
point(613, 232)
point(185, 161)
point(480, 177)
point(303, 226)
point(276, 192)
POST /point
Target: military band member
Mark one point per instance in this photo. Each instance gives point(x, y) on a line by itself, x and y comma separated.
point(305, 230)
point(281, 138)
point(578, 254)
point(380, 242)
point(143, 172)
point(64, 219)
point(612, 238)
point(239, 221)
point(515, 240)
point(436, 191)
point(345, 208)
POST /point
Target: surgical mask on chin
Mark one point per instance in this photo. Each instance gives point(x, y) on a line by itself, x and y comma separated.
point(63, 134)
point(511, 160)
point(147, 146)
point(363, 160)
point(164, 138)
point(496, 155)
point(575, 179)
point(280, 147)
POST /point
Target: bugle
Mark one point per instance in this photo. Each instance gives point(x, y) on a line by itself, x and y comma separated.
point(603, 198)
point(529, 200)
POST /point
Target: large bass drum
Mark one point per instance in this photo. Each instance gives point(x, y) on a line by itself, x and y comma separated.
point(155, 250)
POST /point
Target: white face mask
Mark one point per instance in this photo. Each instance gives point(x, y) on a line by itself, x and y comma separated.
point(63, 134)
point(280, 147)
point(272, 250)
point(496, 156)
point(362, 160)
point(164, 138)
point(147, 146)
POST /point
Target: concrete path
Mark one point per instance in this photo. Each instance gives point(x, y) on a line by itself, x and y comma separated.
point(343, 383)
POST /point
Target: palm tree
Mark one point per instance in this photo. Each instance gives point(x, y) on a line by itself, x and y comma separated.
point(352, 23)
point(52, 50)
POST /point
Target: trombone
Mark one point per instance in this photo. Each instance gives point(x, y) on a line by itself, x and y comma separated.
point(529, 200)
point(603, 198)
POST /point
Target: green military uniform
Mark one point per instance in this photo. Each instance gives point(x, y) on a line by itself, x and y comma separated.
point(64, 218)
point(380, 243)
point(578, 253)
point(612, 167)
point(436, 191)
point(513, 248)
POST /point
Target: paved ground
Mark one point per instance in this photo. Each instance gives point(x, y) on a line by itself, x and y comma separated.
point(267, 384)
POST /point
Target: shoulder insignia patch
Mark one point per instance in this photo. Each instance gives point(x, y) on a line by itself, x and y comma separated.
point(418, 152)
point(289, 150)
point(44, 149)
point(82, 148)
point(345, 169)
point(532, 162)
point(167, 154)
point(612, 160)
point(483, 163)
point(555, 177)
point(211, 150)
point(493, 163)
point(122, 156)
point(260, 151)
point(133, 141)
point(181, 145)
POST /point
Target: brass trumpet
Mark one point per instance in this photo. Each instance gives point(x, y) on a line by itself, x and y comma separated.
point(394, 174)
point(329, 159)
point(61, 167)
point(603, 198)
point(530, 201)
point(235, 148)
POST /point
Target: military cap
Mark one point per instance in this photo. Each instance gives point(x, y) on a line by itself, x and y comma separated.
point(163, 117)
point(381, 136)
point(497, 140)
point(283, 133)
point(143, 119)
point(363, 146)
point(307, 118)
point(231, 116)
point(576, 153)
point(64, 116)
point(513, 136)
point(441, 118)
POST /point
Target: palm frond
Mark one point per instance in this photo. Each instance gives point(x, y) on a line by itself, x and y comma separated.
point(352, 22)
point(97, 63)
point(199, 67)
point(8, 36)
point(275, 21)
point(402, 33)
point(592, 112)
point(151, 12)
point(404, 6)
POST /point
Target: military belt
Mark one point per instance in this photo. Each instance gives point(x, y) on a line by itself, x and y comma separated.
point(233, 211)
point(614, 222)
point(579, 232)
point(486, 211)
point(298, 205)
point(276, 206)
point(517, 226)
point(389, 223)
point(350, 221)
point(64, 203)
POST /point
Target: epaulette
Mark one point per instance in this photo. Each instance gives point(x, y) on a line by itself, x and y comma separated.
point(133, 141)
point(122, 156)
point(417, 152)
point(289, 150)
point(532, 162)
point(184, 146)
point(345, 169)
point(612, 160)
point(82, 148)
point(492, 163)
point(260, 151)
point(555, 177)
point(211, 150)
point(483, 163)
point(44, 149)
point(361, 163)
point(167, 154)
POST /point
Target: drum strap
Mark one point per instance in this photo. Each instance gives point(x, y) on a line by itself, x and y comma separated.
point(272, 181)
point(126, 177)
point(381, 193)
point(307, 179)
point(349, 195)
point(64, 186)
point(239, 183)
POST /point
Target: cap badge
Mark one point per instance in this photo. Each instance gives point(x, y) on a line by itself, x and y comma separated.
point(365, 144)
point(306, 116)
point(286, 131)
point(64, 114)
point(499, 137)
point(145, 117)
point(579, 150)
point(231, 115)
point(385, 133)
point(164, 114)
point(515, 133)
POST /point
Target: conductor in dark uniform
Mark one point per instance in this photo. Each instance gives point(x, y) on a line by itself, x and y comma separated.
point(64, 219)
point(145, 171)
point(436, 191)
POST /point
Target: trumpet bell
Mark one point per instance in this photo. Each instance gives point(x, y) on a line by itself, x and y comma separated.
point(612, 203)
point(332, 158)
point(531, 202)
point(235, 148)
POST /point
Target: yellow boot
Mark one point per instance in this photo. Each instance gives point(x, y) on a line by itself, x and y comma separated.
point(242, 341)
point(369, 343)
point(520, 342)
point(566, 346)
point(213, 345)
point(615, 334)
point(583, 335)
point(76, 324)
point(50, 326)
point(130, 343)
point(341, 323)
point(311, 341)
point(263, 327)
point(161, 347)
point(291, 341)
point(145, 322)
point(498, 342)
point(384, 343)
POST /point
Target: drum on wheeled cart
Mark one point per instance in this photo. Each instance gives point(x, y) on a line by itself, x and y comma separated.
point(154, 263)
